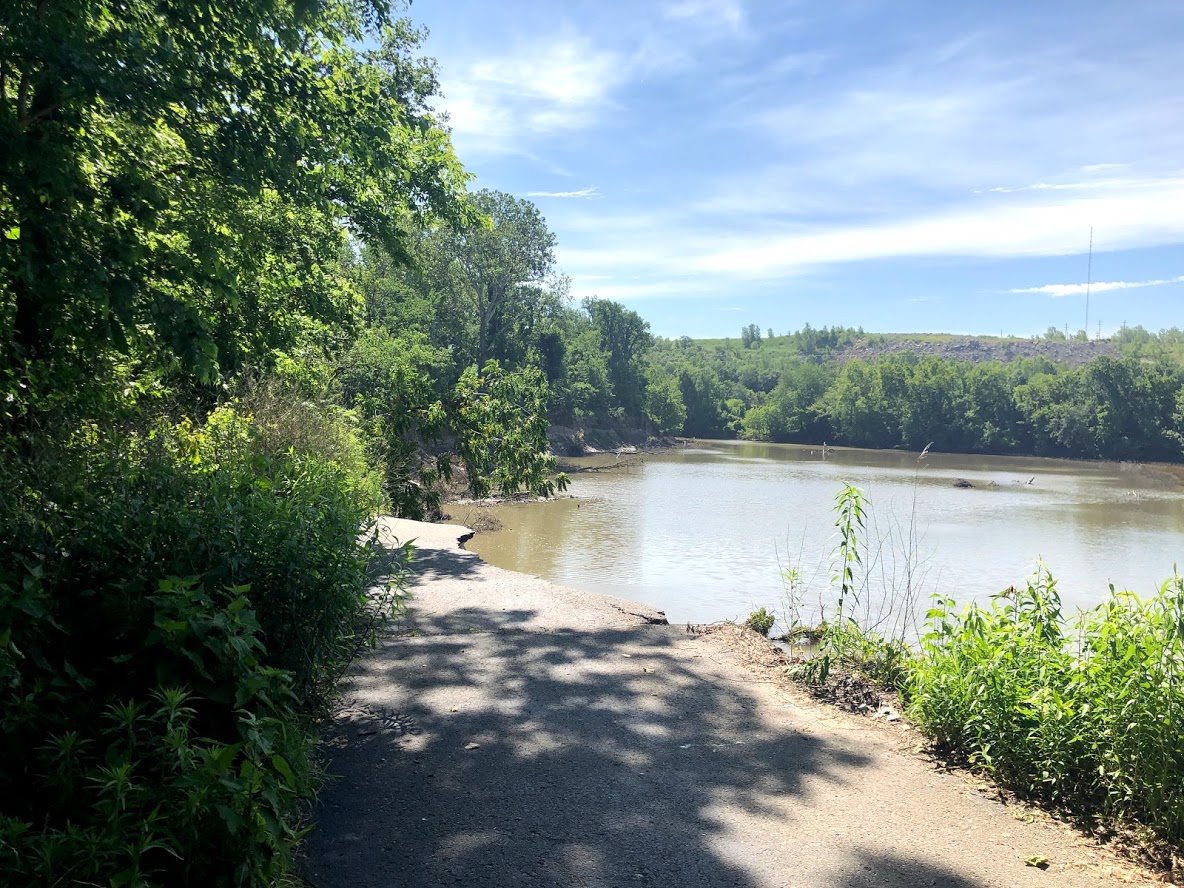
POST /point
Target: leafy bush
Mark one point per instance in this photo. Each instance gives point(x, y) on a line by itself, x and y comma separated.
point(884, 660)
point(175, 604)
point(1085, 715)
point(760, 620)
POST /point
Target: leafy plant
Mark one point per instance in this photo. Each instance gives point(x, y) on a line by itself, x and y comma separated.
point(850, 504)
point(176, 603)
point(760, 620)
point(1084, 714)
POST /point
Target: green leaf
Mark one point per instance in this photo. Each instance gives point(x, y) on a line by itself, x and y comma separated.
point(281, 764)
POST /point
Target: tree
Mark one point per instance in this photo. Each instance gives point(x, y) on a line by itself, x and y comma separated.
point(625, 337)
point(663, 403)
point(750, 336)
point(139, 138)
point(703, 397)
point(492, 267)
point(583, 386)
point(501, 431)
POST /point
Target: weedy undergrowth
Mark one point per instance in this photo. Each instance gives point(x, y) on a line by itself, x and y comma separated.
point(176, 604)
point(1084, 713)
point(760, 620)
point(851, 638)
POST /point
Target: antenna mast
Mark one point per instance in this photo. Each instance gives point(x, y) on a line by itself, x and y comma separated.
point(1089, 278)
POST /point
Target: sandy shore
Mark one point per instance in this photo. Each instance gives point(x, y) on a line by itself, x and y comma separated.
point(516, 732)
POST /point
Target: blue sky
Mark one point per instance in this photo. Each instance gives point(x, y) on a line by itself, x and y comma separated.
point(899, 165)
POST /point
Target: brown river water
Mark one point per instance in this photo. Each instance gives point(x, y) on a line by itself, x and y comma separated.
point(706, 532)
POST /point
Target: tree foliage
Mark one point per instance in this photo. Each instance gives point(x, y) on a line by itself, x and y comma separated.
point(210, 381)
point(176, 173)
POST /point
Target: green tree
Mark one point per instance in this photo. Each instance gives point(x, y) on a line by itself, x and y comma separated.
point(625, 338)
point(138, 140)
point(583, 387)
point(494, 268)
point(663, 403)
point(750, 336)
point(501, 431)
point(703, 397)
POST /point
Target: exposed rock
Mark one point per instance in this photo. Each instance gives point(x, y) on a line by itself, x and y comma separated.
point(982, 350)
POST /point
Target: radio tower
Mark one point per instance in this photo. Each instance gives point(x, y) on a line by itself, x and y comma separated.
point(1089, 278)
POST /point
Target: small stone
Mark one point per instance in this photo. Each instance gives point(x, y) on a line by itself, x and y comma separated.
point(472, 746)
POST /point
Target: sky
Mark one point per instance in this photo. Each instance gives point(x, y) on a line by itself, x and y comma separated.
point(898, 165)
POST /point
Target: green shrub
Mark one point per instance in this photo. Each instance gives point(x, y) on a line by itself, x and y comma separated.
point(175, 604)
point(1085, 715)
point(885, 661)
point(760, 620)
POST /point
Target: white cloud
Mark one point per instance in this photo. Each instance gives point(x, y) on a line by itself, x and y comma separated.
point(625, 292)
point(1089, 185)
point(710, 13)
point(742, 147)
point(1140, 216)
point(979, 112)
point(590, 191)
point(1056, 291)
point(497, 104)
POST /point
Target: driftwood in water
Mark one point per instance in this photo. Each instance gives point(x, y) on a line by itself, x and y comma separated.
point(618, 463)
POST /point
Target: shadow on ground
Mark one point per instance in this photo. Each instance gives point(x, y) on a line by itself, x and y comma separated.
point(571, 758)
point(878, 870)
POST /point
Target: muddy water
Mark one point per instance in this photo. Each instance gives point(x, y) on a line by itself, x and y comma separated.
point(707, 532)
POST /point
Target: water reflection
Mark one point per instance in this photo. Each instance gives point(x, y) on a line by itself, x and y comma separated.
point(703, 533)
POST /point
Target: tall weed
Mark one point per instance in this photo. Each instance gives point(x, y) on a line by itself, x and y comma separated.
point(1084, 714)
point(176, 601)
point(853, 637)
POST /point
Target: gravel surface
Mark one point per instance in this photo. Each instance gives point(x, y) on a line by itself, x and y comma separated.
point(517, 733)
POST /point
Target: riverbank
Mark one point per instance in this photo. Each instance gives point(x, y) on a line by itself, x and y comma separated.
point(516, 732)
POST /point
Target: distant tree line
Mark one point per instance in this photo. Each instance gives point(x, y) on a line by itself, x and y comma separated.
point(1127, 407)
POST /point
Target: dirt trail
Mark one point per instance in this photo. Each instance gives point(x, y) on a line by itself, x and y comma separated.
point(524, 734)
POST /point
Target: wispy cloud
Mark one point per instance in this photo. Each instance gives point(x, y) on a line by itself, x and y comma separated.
point(1136, 217)
point(743, 238)
point(757, 151)
point(1085, 185)
point(1056, 291)
point(590, 191)
point(627, 291)
point(499, 104)
point(976, 112)
point(710, 13)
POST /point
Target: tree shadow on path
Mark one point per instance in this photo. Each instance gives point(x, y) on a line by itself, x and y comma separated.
point(879, 870)
point(606, 757)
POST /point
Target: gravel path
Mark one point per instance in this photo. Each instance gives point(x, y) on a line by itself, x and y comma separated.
point(523, 734)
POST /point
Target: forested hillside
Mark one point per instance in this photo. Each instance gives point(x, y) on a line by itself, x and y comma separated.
point(805, 387)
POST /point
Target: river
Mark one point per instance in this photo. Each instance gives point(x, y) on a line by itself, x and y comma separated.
point(708, 532)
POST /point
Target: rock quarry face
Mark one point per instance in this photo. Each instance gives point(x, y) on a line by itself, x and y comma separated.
point(980, 351)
